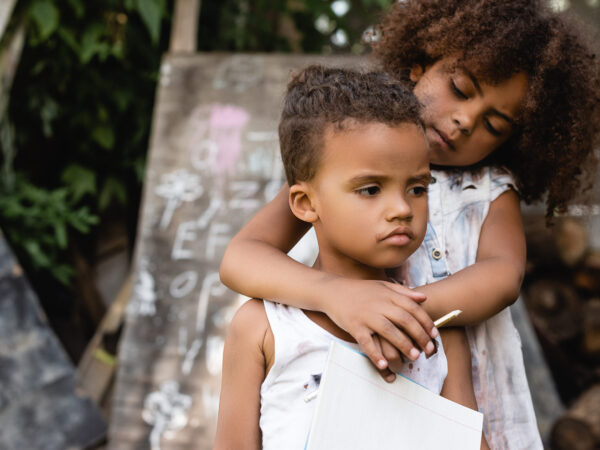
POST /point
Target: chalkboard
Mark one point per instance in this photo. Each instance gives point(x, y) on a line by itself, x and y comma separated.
point(214, 161)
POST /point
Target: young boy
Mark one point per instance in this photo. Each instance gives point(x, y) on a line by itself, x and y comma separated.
point(356, 160)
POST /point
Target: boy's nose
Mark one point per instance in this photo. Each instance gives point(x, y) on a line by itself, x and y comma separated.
point(399, 209)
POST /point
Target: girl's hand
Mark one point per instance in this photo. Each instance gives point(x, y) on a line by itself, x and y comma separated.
point(365, 308)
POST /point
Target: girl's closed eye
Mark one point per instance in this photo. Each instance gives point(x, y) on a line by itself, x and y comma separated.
point(459, 93)
point(368, 191)
point(491, 129)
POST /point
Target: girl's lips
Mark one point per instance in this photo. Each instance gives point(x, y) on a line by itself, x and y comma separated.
point(442, 139)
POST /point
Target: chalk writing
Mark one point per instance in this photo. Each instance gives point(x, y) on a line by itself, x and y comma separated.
point(177, 187)
point(183, 284)
point(239, 73)
point(143, 301)
point(186, 231)
point(165, 409)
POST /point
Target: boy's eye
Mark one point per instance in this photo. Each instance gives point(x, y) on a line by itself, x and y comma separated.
point(460, 94)
point(368, 190)
point(418, 190)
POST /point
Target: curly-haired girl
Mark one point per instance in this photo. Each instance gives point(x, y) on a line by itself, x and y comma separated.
point(510, 94)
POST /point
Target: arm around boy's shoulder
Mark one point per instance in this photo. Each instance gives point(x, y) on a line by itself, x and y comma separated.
point(243, 373)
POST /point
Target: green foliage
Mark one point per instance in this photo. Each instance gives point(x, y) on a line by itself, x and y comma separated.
point(81, 107)
point(37, 221)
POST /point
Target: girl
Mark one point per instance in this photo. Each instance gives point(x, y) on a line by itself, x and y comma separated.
point(505, 86)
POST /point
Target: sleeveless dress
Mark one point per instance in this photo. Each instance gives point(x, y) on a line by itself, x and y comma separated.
point(287, 393)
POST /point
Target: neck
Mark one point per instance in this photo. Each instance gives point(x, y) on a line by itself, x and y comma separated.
point(348, 268)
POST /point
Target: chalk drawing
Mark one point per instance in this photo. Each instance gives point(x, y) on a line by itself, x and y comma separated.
point(209, 213)
point(218, 236)
point(143, 301)
point(214, 354)
point(165, 409)
point(204, 154)
point(239, 73)
point(186, 231)
point(190, 355)
point(211, 287)
point(183, 284)
point(177, 187)
point(243, 195)
point(225, 129)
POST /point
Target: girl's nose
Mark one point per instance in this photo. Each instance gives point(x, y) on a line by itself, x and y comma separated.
point(464, 119)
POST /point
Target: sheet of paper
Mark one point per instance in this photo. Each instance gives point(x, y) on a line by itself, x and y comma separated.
point(356, 409)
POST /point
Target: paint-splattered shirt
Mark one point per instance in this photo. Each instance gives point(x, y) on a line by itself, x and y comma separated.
point(458, 206)
point(287, 394)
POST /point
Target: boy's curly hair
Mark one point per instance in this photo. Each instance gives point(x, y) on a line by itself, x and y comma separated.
point(560, 118)
point(319, 97)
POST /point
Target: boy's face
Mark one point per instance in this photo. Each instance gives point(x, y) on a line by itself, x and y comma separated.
point(370, 196)
point(465, 119)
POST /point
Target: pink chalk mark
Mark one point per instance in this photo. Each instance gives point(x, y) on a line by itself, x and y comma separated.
point(226, 124)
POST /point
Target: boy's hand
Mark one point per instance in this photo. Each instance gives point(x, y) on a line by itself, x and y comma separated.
point(392, 311)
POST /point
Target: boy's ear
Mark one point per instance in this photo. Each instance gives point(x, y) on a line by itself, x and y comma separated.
point(301, 202)
point(416, 72)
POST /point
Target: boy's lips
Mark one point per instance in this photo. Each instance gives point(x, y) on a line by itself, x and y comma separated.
point(398, 236)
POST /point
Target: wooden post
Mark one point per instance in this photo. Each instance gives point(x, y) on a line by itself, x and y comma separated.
point(184, 30)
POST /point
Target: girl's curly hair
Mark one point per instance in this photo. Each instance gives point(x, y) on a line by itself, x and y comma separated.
point(553, 150)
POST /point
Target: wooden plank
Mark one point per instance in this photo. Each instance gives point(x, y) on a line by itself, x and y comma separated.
point(97, 365)
point(214, 161)
point(184, 29)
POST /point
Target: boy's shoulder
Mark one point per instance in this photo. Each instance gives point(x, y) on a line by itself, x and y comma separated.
point(250, 320)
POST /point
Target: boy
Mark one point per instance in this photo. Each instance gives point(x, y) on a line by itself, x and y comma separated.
point(356, 160)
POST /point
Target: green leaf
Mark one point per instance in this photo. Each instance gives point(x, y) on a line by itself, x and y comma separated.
point(91, 42)
point(78, 7)
point(60, 232)
point(151, 13)
point(112, 188)
point(80, 181)
point(45, 16)
point(62, 272)
point(104, 136)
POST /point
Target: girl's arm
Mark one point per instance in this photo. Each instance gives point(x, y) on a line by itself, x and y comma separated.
point(458, 385)
point(243, 372)
point(362, 308)
point(494, 281)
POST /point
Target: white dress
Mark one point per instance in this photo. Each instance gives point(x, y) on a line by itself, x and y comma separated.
point(301, 346)
point(458, 206)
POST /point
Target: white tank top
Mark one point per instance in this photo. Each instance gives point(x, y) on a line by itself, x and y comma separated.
point(286, 403)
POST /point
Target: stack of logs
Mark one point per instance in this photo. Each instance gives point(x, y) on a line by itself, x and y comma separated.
point(562, 295)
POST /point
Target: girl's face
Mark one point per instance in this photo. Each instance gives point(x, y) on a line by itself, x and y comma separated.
point(465, 119)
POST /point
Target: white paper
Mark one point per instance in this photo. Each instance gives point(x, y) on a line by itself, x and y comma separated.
point(357, 409)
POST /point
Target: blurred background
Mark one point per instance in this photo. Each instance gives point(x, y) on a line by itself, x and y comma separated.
point(77, 96)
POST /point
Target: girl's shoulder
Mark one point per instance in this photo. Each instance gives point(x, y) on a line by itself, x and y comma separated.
point(487, 182)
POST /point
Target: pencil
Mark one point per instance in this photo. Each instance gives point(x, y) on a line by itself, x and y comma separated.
point(447, 318)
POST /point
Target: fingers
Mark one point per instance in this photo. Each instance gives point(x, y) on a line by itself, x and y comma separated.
point(398, 338)
point(418, 313)
point(370, 346)
point(401, 289)
point(387, 374)
point(392, 355)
